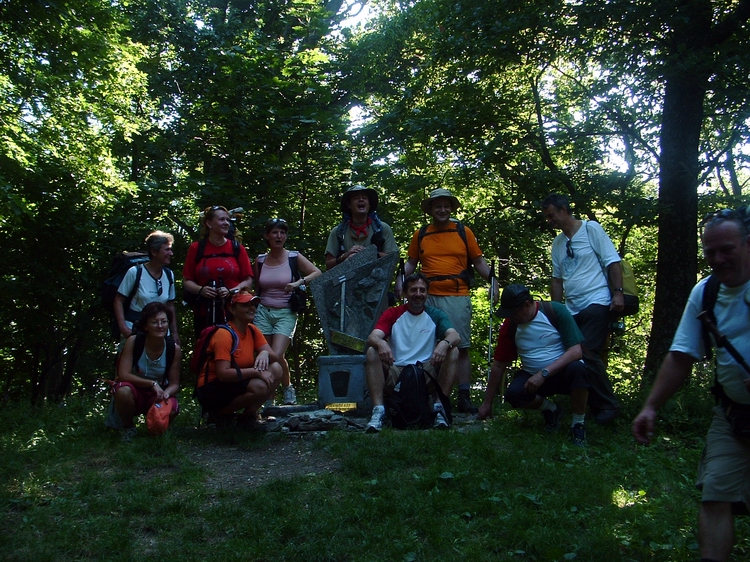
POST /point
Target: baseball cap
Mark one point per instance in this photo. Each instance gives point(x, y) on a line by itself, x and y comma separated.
point(514, 296)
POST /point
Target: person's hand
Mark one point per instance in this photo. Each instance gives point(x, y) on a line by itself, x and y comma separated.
point(643, 425)
point(439, 354)
point(485, 411)
point(618, 301)
point(261, 362)
point(126, 332)
point(385, 353)
point(159, 393)
point(355, 250)
point(534, 383)
point(222, 292)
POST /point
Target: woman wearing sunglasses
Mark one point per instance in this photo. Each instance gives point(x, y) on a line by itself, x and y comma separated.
point(278, 273)
point(215, 265)
point(155, 283)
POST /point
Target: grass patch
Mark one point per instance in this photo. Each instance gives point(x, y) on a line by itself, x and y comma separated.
point(498, 491)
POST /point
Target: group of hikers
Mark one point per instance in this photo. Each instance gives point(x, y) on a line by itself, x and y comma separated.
point(560, 344)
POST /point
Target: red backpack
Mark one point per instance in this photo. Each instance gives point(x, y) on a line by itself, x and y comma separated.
point(201, 356)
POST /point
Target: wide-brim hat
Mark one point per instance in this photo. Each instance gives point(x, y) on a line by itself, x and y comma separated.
point(514, 297)
point(436, 193)
point(372, 195)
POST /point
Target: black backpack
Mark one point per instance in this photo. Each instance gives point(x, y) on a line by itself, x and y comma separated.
point(409, 403)
point(121, 263)
point(468, 273)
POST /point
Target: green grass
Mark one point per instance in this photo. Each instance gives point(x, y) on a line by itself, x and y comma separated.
point(504, 490)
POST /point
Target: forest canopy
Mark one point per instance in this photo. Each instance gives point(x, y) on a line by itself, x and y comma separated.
point(118, 118)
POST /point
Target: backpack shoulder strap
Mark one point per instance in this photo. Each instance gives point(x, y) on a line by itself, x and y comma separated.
point(293, 255)
point(170, 345)
point(549, 311)
point(170, 276)
point(201, 250)
point(236, 248)
point(138, 347)
point(340, 230)
point(710, 294)
point(134, 289)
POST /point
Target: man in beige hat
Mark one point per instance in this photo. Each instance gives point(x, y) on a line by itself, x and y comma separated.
point(447, 250)
point(360, 228)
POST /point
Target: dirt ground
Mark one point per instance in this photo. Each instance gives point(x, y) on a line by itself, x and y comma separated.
point(293, 454)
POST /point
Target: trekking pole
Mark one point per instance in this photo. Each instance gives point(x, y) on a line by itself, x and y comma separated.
point(489, 339)
point(722, 340)
point(402, 274)
point(213, 305)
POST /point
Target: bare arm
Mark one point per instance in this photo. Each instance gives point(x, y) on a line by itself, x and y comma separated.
point(309, 272)
point(615, 280)
point(120, 316)
point(571, 354)
point(556, 289)
point(497, 373)
point(672, 375)
point(173, 326)
point(480, 264)
point(409, 267)
point(450, 340)
point(377, 341)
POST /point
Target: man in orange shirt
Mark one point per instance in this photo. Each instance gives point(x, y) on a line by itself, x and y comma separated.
point(447, 250)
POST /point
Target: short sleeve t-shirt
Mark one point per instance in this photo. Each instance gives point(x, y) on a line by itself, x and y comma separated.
point(412, 337)
point(220, 348)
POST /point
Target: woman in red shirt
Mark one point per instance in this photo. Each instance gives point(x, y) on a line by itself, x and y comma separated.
point(215, 265)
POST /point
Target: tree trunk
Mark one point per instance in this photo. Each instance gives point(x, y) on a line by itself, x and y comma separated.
point(678, 201)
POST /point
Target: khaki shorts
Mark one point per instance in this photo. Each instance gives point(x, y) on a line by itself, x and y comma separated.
point(458, 311)
point(724, 470)
point(394, 371)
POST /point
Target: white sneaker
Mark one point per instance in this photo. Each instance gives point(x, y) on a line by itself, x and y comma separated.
point(290, 395)
point(376, 421)
point(440, 421)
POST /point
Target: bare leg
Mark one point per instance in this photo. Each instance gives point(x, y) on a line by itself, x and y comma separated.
point(716, 530)
point(125, 405)
point(280, 343)
point(375, 377)
point(447, 372)
point(463, 366)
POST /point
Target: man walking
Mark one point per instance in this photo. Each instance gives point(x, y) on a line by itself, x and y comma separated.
point(405, 335)
point(549, 345)
point(580, 256)
point(447, 251)
point(725, 463)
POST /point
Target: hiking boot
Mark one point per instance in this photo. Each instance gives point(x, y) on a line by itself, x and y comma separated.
point(464, 403)
point(290, 395)
point(440, 421)
point(607, 415)
point(127, 434)
point(552, 419)
point(578, 435)
point(376, 421)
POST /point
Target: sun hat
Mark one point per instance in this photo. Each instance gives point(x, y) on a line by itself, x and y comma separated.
point(157, 417)
point(440, 192)
point(514, 297)
point(372, 195)
point(245, 297)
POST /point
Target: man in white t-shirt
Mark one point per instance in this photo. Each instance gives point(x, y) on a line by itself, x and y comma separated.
point(405, 335)
point(580, 255)
point(725, 463)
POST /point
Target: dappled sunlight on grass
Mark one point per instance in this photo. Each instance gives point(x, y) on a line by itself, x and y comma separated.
point(624, 498)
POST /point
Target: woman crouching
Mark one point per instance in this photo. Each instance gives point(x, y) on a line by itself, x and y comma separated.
point(241, 374)
point(148, 369)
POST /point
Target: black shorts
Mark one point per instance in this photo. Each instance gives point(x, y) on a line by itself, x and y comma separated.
point(216, 395)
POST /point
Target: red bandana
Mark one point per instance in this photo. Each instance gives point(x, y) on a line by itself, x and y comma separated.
point(360, 231)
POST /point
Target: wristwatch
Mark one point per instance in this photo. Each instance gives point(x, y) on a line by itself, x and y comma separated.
point(450, 345)
point(545, 373)
point(618, 289)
